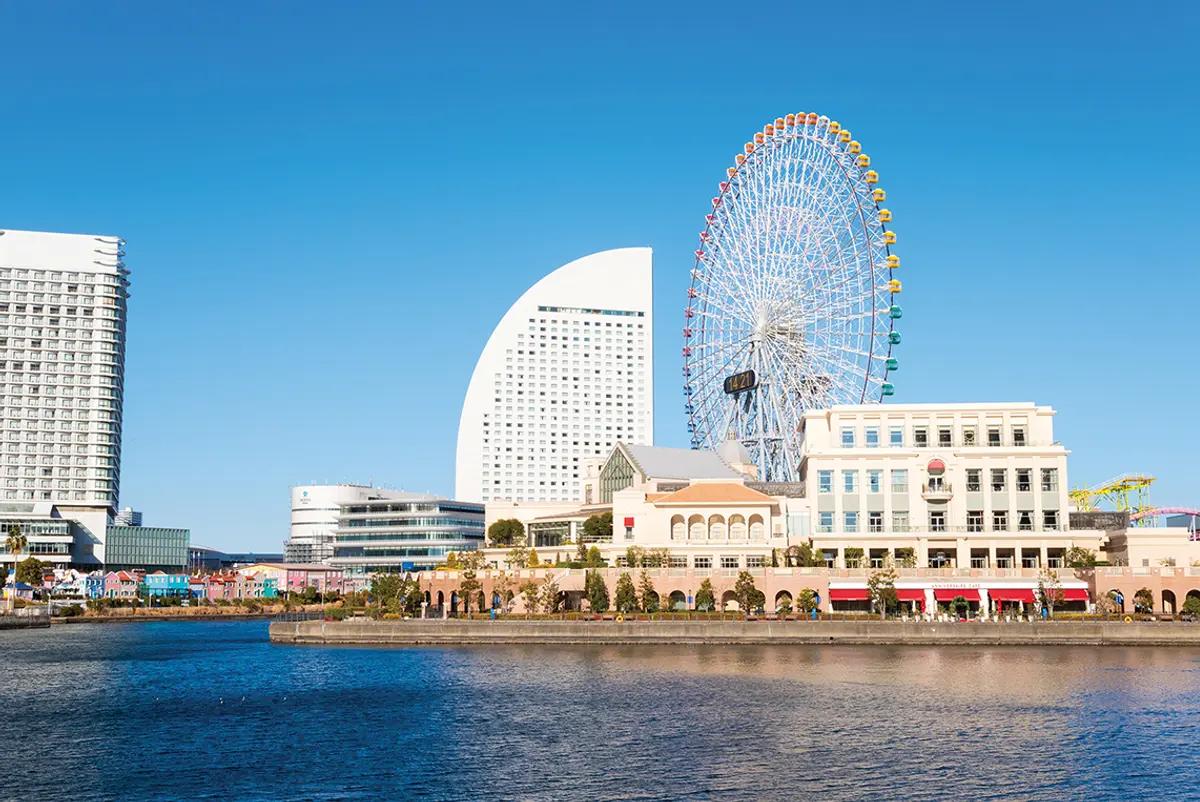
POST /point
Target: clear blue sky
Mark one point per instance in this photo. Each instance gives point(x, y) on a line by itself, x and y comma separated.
point(329, 206)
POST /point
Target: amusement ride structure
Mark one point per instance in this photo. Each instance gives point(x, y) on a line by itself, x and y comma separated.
point(1127, 493)
point(792, 300)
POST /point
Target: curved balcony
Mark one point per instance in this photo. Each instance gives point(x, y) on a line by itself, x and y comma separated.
point(939, 492)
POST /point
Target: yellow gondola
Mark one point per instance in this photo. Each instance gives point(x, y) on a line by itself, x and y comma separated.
point(863, 160)
point(872, 177)
point(885, 216)
point(894, 286)
point(855, 146)
point(834, 127)
point(844, 135)
point(893, 262)
point(889, 238)
point(879, 195)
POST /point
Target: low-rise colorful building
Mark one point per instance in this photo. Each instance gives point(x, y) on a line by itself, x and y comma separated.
point(161, 584)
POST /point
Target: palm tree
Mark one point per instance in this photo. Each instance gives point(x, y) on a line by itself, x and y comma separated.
point(16, 543)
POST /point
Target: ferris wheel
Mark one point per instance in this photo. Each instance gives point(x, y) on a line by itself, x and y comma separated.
point(792, 300)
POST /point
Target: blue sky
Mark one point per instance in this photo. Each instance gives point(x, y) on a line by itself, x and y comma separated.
point(329, 206)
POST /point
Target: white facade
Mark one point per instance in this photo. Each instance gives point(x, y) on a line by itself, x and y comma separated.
point(315, 510)
point(981, 485)
point(566, 374)
point(62, 362)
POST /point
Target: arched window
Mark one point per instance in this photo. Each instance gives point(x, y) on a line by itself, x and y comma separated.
point(716, 528)
point(696, 527)
point(737, 527)
point(678, 528)
point(757, 530)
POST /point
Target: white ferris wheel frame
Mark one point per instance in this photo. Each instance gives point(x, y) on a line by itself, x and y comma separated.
point(793, 279)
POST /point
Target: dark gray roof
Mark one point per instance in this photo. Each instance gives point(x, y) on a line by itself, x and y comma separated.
point(657, 462)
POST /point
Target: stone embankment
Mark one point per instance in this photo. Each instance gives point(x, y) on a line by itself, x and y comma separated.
point(418, 633)
point(24, 621)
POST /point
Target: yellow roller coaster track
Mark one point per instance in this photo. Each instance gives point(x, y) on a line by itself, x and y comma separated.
point(1128, 493)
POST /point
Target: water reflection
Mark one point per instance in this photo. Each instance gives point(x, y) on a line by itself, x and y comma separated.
point(130, 709)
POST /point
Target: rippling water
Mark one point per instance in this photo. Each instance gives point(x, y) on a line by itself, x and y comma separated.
point(213, 711)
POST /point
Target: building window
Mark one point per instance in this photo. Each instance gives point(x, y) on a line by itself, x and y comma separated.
point(851, 522)
point(998, 480)
point(702, 562)
point(920, 437)
point(896, 436)
point(974, 520)
point(824, 521)
point(875, 481)
point(900, 480)
point(994, 436)
point(1025, 521)
point(945, 437)
point(1018, 435)
point(1000, 520)
point(871, 437)
point(874, 521)
point(729, 561)
point(968, 437)
point(1024, 480)
point(937, 521)
point(824, 481)
point(900, 521)
point(1049, 479)
point(847, 437)
point(754, 561)
point(973, 480)
point(1050, 520)
point(850, 481)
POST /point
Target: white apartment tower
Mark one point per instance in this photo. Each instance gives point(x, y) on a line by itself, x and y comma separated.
point(567, 373)
point(62, 365)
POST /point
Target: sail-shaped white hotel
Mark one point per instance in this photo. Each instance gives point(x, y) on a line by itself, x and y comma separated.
point(566, 373)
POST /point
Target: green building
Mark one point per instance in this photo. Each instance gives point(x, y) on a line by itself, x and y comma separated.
point(150, 548)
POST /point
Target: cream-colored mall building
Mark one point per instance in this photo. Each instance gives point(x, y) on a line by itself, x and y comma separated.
point(956, 486)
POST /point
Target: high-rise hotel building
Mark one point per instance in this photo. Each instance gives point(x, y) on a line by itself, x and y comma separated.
point(62, 362)
point(565, 374)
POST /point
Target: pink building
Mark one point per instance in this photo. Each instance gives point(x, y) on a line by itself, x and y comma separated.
point(120, 585)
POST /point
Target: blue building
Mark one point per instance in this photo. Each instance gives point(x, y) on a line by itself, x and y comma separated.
point(93, 586)
point(161, 584)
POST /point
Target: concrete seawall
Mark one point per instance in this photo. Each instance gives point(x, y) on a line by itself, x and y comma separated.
point(416, 633)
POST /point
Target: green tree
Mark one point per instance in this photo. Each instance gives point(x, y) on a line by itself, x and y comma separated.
point(551, 596)
point(533, 561)
point(1143, 601)
point(706, 599)
point(650, 599)
point(506, 532)
point(853, 557)
point(15, 542)
point(746, 593)
point(598, 527)
point(468, 586)
point(529, 596)
point(1191, 606)
point(596, 591)
point(804, 555)
point(518, 556)
point(31, 571)
point(784, 607)
point(635, 556)
point(881, 587)
point(906, 557)
point(1049, 591)
point(806, 600)
point(626, 596)
point(1079, 557)
point(594, 560)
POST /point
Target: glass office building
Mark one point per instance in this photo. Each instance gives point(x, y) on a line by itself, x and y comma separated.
point(150, 548)
point(408, 532)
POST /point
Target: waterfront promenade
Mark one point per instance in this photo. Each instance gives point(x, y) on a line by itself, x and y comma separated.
point(965, 633)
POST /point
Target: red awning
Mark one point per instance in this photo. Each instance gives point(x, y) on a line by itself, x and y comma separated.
point(910, 594)
point(1075, 594)
point(1011, 595)
point(950, 594)
point(848, 594)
